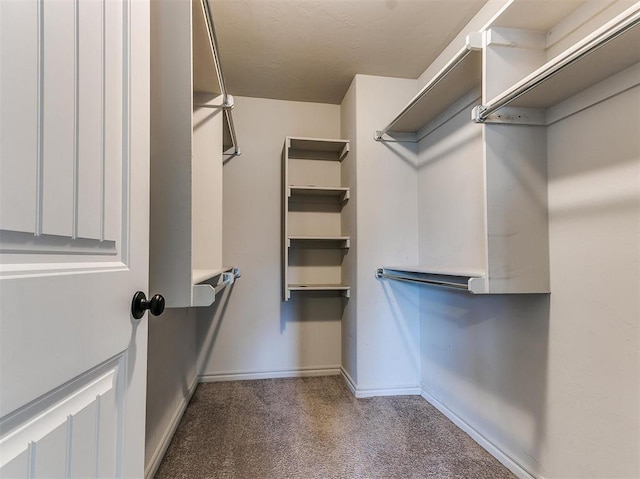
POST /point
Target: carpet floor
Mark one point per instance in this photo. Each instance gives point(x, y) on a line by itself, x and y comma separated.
point(314, 428)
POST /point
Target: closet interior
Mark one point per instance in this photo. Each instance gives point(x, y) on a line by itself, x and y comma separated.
point(440, 255)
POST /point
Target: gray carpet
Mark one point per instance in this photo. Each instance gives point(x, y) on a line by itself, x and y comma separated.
point(315, 428)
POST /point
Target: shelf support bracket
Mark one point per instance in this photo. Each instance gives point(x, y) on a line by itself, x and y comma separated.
point(395, 137)
point(227, 104)
point(509, 115)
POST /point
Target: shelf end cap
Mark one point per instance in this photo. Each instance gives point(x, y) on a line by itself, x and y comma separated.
point(474, 41)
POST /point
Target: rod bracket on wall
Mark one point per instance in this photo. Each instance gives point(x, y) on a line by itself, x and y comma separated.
point(476, 114)
point(509, 115)
point(228, 103)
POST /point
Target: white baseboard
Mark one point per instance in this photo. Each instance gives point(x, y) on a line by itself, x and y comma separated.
point(368, 392)
point(151, 468)
point(351, 384)
point(387, 391)
point(247, 375)
point(489, 446)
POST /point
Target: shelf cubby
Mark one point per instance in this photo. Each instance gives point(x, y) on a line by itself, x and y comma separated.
point(313, 196)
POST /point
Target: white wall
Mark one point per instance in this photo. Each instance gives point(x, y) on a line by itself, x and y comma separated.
point(171, 376)
point(593, 396)
point(259, 335)
point(387, 314)
point(349, 227)
point(553, 380)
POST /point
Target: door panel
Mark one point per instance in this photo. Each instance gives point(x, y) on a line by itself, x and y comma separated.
point(19, 114)
point(73, 163)
point(66, 159)
point(57, 82)
point(69, 432)
point(112, 119)
point(91, 81)
point(48, 462)
point(73, 236)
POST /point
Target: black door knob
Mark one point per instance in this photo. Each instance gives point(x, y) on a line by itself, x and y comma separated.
point(139, 305)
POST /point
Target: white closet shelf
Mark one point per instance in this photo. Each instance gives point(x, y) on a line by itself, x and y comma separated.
point(345, 289)
point(311, 230)
point(345, 241)
point(607, 51)
point(471, 281)
point(317, 148)
point(341, 193)
point(460, 75)
point(205, 294)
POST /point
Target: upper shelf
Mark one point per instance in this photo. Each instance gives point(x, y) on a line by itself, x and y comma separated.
point(607, 51)
point(463, 73)
point(317, 149)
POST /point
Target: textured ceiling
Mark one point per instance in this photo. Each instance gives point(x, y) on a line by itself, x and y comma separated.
point(309, 50)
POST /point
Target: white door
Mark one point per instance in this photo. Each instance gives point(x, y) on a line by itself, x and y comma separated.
point(74, 173)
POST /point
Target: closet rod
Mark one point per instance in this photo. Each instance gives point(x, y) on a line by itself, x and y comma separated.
point(227, 100)
point(472, 44)
point(444, 284)
point(482, 112)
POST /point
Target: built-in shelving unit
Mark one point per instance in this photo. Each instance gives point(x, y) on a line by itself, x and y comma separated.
point(313, 196)
point(527, 59)
point(187, 137)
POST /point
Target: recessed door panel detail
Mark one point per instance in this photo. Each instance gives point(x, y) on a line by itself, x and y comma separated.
point(61, 156)
point(70, 432)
